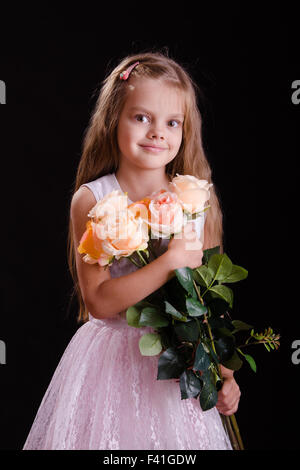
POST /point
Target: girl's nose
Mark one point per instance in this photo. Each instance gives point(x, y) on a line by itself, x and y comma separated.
point(155, 132)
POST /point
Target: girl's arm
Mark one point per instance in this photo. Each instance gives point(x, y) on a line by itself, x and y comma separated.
point(120, 293)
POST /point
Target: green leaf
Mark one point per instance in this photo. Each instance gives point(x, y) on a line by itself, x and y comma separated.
point(175, 293)
point(218, 306)
point(208, 253)
point(150, 344)
point(220, 266)
point(190, 385)
point(223, 292)
point(202, 276)
point(142, 304)
point(133, 316)
point(237, 274)
point(195, 308)
point(170, 365)
point(217, 322)
point(251, 361)
point(150, 316)
point(224, 347)
point(202, 359)
point(208, 394)
point(234, 362)
point(240, 325)
point(185, 277)
point(187, 331)
point(172, 311)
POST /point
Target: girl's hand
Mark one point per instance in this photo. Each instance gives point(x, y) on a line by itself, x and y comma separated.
point(187, 250)
point(229, 395)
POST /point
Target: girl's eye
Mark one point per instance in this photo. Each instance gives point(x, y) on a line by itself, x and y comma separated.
point(142, 118)
point(174, 123)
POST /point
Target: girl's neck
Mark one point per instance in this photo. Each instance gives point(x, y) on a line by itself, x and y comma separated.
point(139, 184)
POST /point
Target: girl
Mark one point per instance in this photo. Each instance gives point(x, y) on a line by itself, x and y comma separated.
point(104, 394)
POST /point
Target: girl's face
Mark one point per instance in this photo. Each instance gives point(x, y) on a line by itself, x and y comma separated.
point(151, 123)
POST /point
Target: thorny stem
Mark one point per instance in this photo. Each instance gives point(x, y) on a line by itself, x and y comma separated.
point(151, 249)
point(141, 258)
point(133, 261)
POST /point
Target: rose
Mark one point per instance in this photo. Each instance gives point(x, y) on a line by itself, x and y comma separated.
point(122, 234)
point(113, 202)
point(91, 246)
point(192, 192)
point(113, 231)
point(165, 215)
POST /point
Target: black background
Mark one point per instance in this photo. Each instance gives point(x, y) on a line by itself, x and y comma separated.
point(53, 59)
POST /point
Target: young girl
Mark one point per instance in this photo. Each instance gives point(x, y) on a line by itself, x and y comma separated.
point(104, 394)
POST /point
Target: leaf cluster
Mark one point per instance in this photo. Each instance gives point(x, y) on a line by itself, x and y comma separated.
point(193, 330)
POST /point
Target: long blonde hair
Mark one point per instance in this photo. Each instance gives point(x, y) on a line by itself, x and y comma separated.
point(100, 153)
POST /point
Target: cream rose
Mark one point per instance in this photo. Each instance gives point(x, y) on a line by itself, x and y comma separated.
point(113, 202)
point(192, 192)
point(165, 214)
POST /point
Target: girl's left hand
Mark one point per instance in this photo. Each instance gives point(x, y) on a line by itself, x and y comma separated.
point(229, 395)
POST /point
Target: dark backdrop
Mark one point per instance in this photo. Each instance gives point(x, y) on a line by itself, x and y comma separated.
point(53, 60)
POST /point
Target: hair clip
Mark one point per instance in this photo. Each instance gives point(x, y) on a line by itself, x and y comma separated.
point(124, 75)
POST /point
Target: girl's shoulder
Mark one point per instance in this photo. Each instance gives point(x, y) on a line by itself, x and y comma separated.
point(89, 193)
point(101, 186)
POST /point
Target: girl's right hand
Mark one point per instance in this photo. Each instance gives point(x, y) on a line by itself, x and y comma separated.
point(186, 249)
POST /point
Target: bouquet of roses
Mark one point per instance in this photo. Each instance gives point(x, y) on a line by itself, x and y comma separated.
point(117, 230)
point(190, 315)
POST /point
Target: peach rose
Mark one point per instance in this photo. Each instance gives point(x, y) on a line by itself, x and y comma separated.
point(122, 234)
point(192, 192)
point(141, 208)
point(165, 214)
point(91, 246)
point(113, 231)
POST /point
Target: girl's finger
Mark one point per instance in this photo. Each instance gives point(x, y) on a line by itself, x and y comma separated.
point(229, 407)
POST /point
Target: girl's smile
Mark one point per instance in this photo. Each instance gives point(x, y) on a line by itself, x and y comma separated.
point(153, 148)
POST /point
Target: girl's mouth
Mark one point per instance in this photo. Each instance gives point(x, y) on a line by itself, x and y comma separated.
point(153, 148)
